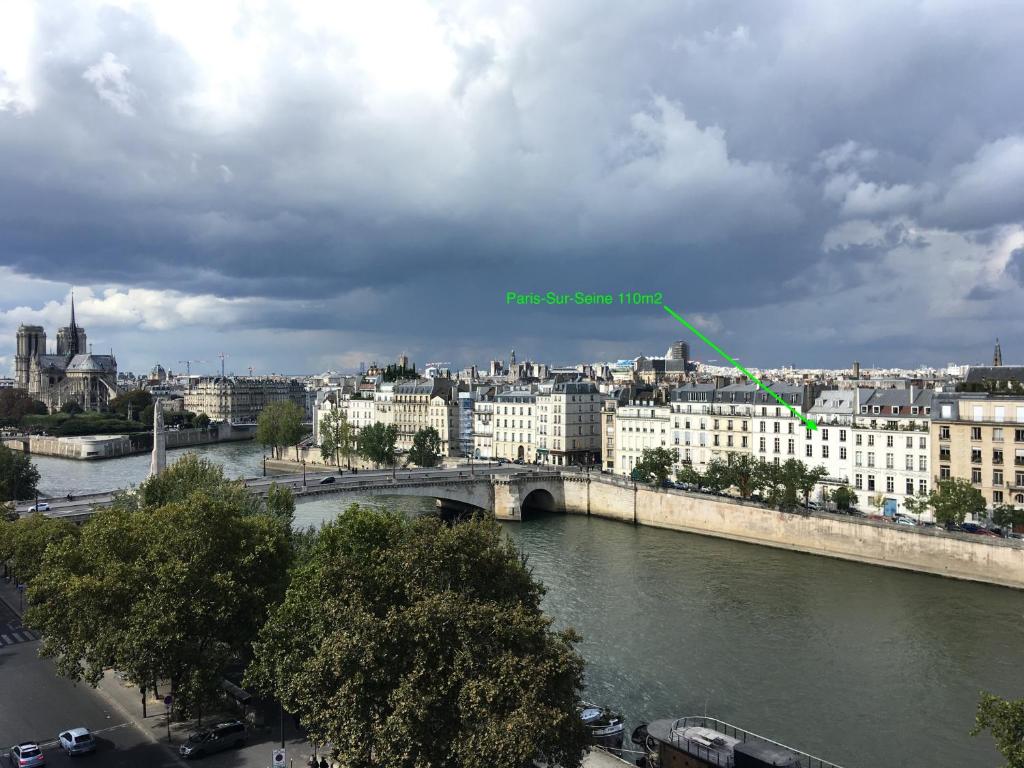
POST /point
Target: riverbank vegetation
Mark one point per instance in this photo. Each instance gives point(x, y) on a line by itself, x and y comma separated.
point(279, 426)
point(19, 477)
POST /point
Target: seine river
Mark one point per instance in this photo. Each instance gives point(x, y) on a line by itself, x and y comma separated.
point(860, 665)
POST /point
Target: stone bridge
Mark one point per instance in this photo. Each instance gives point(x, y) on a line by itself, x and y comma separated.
point(507, 494)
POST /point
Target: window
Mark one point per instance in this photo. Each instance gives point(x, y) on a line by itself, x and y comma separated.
point(999, 413)
point(922, 487)
point(1020, 413)
point(824, 451)
point(997, 497)
point(976, 413)
point(762, 427)
point(776, 427)
point(922, 443)
point(790, 447)
point(824, 434)
point(1018, 478)
point(975, 455)
point(889, 483)
point(943, 453)
point(975, 433)
point(943, 433)
point(888, 441)
point(997, 455)
point(761, 445)
point(842, 452)
point(842, 435)
point(997, 434)
point(910, 463)
point(858, 458)
point(922, 463)
point(871, 482)
point(997, 477)
point(1018, 435)
point(857, 439)
point(743, 441)
point(976, 475)
point(890, 461)
point(871, 459)
point(809, 451)
point(910, 487)
point(776, 445)
point(791, 429)
point(858, 481)
point(871, 440)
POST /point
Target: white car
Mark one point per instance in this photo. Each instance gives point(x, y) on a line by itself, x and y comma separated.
point(42, 506)
point(77, 741)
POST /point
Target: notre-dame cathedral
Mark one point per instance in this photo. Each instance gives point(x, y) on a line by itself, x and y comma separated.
point(73, 374)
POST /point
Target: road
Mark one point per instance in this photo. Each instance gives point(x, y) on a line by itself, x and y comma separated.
point(36, 705)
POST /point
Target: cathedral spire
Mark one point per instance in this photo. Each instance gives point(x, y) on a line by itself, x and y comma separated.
point(997, 358)
point(73, 308)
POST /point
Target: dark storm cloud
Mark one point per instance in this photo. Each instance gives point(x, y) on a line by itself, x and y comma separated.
point(710, 151)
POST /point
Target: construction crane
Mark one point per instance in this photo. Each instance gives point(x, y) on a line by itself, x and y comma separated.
point(188, 370)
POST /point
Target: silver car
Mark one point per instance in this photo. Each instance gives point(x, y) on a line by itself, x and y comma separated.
point(27, 755)
point(77, 741)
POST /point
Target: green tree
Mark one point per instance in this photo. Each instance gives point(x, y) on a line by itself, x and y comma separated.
point(173, 592)
point(744, 473)
point(131, 404)
point(70, 407)
point(1004, 718)
point(411, 643)
point(687, 474)
point(916, 505)
point(844, 497)
point(877, 502)
point(377, 443)
point(202, 421)
point(19, 477)
point(953, 499)
point(28, 539)
point(16, 404)
point(336, 437)
point(426, 448)
point(717, 476)
point(805, 478)
point(1006, 516)
point(280, 425)
point(655, 465)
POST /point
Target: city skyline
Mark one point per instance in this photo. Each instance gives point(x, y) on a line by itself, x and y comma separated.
point(305, 189)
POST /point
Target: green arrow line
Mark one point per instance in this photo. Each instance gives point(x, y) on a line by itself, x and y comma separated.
point(810, 423)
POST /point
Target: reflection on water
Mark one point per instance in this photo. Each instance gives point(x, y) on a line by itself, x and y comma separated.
point(861, 665)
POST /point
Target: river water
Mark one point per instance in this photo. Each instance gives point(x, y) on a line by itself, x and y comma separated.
point(863, 666)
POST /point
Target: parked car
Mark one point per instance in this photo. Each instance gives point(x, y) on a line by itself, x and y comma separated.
point(216, 739)
point(327, 480)
point(1013, 535)
point(77, 741)
point(906, 521)
point(27, 755)
point(42, 506)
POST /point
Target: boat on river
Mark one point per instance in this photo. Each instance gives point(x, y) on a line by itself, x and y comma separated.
point(606, 727)
point(699, 741)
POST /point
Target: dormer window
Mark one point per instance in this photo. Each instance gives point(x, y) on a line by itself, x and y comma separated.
point(863, 409)
point(876, 409)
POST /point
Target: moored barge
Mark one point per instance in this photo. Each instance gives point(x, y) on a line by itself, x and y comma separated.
point(702, 741)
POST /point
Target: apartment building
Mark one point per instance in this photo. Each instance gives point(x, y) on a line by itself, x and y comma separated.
point(778, 433)
point(637, 426)
point(831, 445)
point(569, 423)
point(420, 404)
point(980, 437)
point(515, 420)
point(241, 399)
point(483, 427)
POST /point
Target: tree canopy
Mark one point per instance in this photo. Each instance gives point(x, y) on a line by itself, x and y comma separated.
point(15, 404)
point(844, 497)
point(411, 643)
point(19, 477)
point(24, 541)
point(336, 437)
point(131, 404)
point(280, 425)
point(955, 498)
point(655, 465)
point(171, 582)
point(426, 448)
point(377, 443)
point(1004, 718)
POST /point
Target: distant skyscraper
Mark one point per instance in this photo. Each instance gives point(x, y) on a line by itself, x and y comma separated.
point(680, 350)
point(997, 358)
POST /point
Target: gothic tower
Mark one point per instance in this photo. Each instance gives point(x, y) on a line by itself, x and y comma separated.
point(71, 338)
point(31, 343)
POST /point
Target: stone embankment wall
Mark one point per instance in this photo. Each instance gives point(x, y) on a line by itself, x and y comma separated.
point(927, 550)
point(91, 447)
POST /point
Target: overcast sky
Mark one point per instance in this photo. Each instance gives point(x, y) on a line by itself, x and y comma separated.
point(306, 186)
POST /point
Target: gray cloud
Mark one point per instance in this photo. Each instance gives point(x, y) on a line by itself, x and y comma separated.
point(723, 154)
